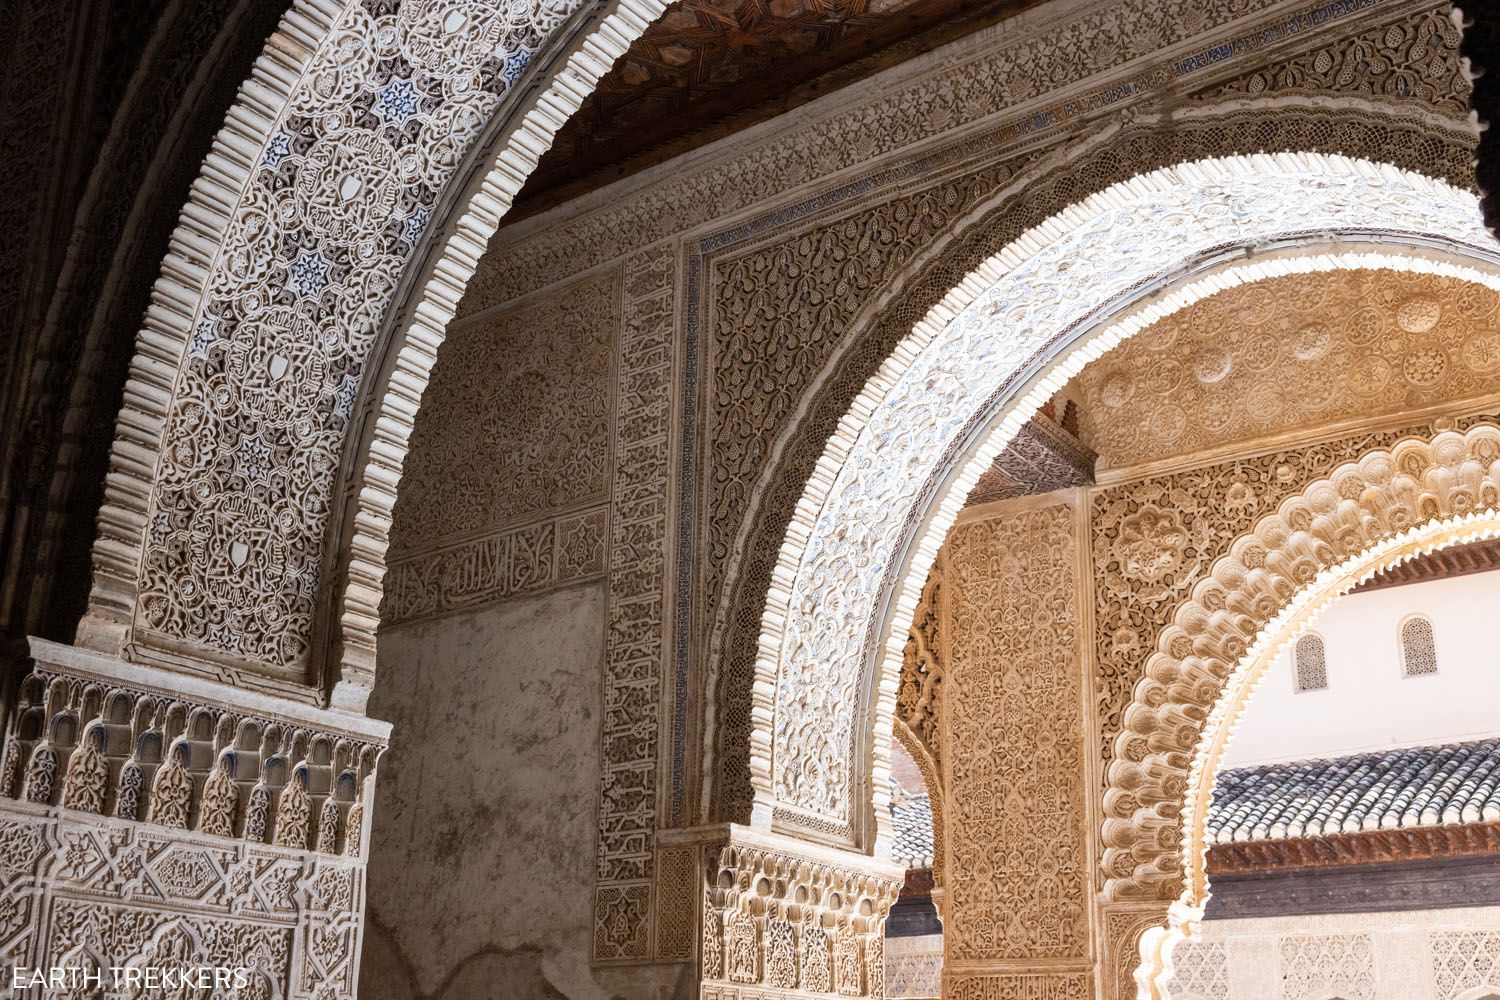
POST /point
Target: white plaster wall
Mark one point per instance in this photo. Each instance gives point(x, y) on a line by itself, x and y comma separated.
point(481, 874)
point(1368, 704)
point(1414, 955)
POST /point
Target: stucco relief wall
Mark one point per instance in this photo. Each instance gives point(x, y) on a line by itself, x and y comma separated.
point(1181, 521)
point(1407, 955)
point(1017, 913)
point(506, 486)
point(776, 287)
point(1294, 351)
point(754, 287)
point(857, 235)
point(1154, 539)
point(512, 491)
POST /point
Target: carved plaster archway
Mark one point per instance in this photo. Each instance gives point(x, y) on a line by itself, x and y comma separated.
point(932, 782)
point(337, 188)
point(894, 476)
point(1388, 507)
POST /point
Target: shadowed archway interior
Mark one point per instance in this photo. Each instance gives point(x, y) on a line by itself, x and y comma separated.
point(481, 597)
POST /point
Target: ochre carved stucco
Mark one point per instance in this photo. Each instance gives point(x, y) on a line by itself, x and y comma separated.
point(1015, 739)
point(919, 700)
point(1154, 539)
point(1042, 187)
point(1289, 353)
point(1196, 672)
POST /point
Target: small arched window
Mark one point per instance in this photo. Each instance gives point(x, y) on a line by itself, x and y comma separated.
point(1418, 652)
point(1309, 663)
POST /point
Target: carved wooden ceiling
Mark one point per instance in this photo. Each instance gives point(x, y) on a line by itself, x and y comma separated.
point(710, 67)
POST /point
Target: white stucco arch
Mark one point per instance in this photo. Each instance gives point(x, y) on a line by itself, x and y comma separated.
point(893, 477)
point(294, 280)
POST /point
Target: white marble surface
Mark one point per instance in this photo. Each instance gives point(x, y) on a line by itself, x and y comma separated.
point(481, 869)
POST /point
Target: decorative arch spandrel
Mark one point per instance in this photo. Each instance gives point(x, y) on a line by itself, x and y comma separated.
point(1153, 847)
point(1022, 197)
point(890, 481)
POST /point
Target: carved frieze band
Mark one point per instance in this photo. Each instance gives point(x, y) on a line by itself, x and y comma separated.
point(1416, 62)
point(98, 894)
point(93, 746)
point(780, 925)
point(523, 560)
point(1356, 848)
point(178, 824)
point(1016, 986)
point(637, 601)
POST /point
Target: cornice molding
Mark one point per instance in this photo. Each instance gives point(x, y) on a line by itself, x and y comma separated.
point(1363, 847)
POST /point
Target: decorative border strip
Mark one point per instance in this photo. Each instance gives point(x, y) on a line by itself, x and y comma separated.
point(636, 645)
point(1361, 847)
point(527, 559)
point(683, 199)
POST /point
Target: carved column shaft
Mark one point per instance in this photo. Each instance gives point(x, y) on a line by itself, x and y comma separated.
point(1017, 913)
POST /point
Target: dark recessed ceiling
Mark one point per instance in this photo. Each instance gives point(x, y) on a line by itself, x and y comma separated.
point(706, 69)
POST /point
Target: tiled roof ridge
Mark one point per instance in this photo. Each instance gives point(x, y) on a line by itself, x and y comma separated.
point(1401, 787)
point(1307, 761)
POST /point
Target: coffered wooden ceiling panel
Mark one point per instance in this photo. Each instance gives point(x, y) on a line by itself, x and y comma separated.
point(708, 68)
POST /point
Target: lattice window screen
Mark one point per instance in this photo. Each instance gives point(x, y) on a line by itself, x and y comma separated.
point(1418, 653)
point(1310, 665)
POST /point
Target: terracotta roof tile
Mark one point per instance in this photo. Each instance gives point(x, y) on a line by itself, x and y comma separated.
point(1391, 789)
point(911, 818)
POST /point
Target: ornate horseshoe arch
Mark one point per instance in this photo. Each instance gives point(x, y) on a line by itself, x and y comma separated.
point(1026, 196)
point(893, 478)
point(1369, 515)
point(274, 310)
